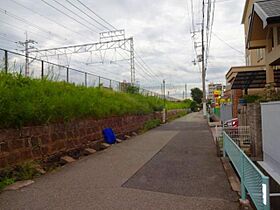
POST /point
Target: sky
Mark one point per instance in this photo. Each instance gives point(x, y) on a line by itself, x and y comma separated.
point(160, 29)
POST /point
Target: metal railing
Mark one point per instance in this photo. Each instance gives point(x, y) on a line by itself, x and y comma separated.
point(12, 62)
point(240, 135)
point(253, 180)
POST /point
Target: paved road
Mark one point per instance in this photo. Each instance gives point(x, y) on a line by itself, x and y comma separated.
point(171, 167)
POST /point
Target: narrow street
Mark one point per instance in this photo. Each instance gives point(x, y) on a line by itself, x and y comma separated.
point(171, 167)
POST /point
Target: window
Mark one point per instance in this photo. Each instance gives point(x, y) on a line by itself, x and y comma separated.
point(260, 53)
point(248, 60)
point(272, 39)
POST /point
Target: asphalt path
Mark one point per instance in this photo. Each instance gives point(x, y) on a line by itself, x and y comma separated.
point(171, 167)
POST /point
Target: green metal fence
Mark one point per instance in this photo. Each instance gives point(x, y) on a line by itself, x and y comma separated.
point(253, 181)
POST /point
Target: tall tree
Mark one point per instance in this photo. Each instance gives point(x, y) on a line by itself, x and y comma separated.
point(197, 95)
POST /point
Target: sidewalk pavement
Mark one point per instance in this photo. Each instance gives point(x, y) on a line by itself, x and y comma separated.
point(171, 167)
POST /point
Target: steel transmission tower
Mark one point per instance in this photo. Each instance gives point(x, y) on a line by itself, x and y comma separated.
point(108, 41)
point(132, 61)
point(27, 47)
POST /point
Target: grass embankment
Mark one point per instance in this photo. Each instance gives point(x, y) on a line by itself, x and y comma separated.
point(178, 105)
point(25, 101)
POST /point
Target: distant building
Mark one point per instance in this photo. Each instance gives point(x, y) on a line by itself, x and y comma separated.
point(212, 87)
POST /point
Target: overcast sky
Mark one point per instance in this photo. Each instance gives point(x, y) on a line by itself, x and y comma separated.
point(161, 31)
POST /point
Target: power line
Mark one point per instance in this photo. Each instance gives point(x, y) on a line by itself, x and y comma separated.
point(154, 77)
point(69, 16)
point(28, 23)
point(104, 69)
point(193, 31)
point(222, 1)
point(88, 15)
point(143, 68)
point(210, 27)
point(14, 27)
point(96, 14)
point(61, 25)
point(71, 11)
point(233, 48)
point(140, 67)
point(147, 67)
point(192, 15)
point(6, 45)
point(4, 37)
point(24, 21)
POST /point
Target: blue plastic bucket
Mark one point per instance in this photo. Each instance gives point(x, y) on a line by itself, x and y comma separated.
point(109, 136)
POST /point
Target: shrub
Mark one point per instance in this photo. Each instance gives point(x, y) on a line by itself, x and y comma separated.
point(193, 106)
point(151, 124)
point(5, 182)
point(252, 98)
point(23, 171)
point(132, 89)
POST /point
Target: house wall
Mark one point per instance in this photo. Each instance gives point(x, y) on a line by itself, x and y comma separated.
point(256, 91)
point(264, 46)
point(273, 52)
point(235, 95)
point(254, 56)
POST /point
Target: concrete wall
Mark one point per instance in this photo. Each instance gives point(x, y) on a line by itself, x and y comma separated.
point(271, 133)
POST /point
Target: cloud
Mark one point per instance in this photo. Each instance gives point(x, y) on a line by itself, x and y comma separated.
point(160, 29)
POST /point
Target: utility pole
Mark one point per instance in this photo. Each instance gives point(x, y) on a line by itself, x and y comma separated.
point(26, 50)
point(186, 91)
point(164, 109)
point(163, 87)
point(183, 94)
point(203, 60)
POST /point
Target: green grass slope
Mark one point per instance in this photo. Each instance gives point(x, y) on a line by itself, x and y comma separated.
point(25, 101)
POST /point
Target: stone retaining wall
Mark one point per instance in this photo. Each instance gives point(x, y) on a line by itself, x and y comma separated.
point(171, 114)
point(39, 142)
point(250, 115)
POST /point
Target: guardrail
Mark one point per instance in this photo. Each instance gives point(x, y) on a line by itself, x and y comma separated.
point(253, 180)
